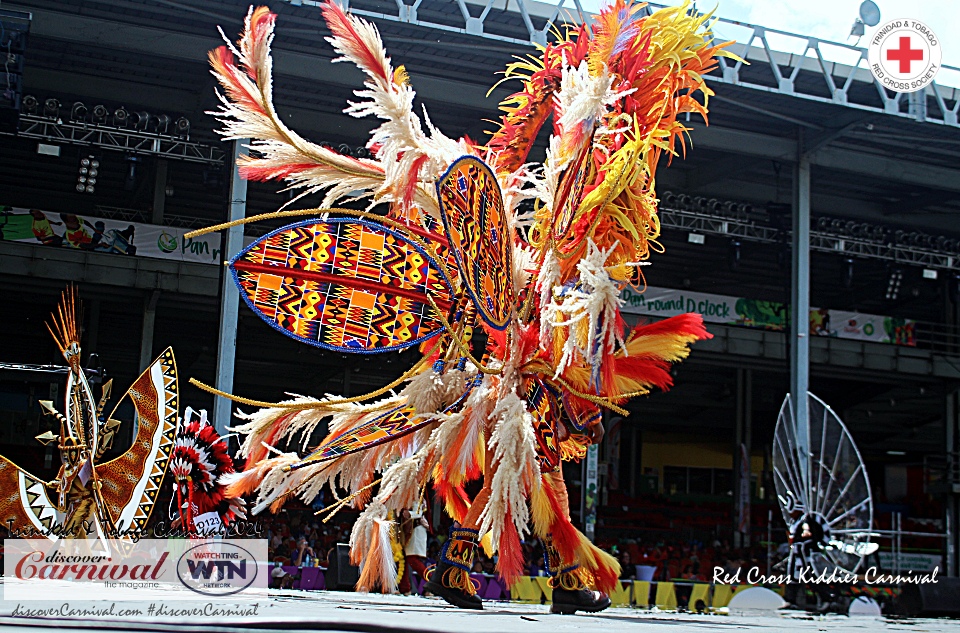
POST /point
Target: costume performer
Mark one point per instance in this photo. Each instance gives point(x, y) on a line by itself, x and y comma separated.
point(112, 498)
point(453, 252)
point(200, 457)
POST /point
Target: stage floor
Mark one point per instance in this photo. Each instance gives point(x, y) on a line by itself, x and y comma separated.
point(295, 611)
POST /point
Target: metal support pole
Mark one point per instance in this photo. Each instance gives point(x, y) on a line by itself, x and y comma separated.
point(229, 295)
point(952, 415)
point(159, 192)
point(146, 334)
point(737, 461)
point(747, 441)
point(800, 307)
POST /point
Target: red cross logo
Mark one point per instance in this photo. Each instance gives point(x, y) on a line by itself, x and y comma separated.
point(905, 55)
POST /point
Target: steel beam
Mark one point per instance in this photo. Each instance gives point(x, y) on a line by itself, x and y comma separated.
point(952, 418)
point(230, 296)
point(785, 149)
point(800, 304)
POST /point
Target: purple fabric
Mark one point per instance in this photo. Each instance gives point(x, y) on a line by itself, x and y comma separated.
point(310, 577)
point(481, 583)
point(494, 589)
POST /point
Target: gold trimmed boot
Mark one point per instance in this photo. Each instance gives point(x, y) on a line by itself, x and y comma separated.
point(451, 578)
point(570, 591)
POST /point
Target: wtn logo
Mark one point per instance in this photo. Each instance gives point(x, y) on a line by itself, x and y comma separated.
point(217, 568)
point(224, 568)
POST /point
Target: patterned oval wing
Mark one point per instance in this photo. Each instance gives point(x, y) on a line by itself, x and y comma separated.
point(543, 406)
point(385, 427)
point(476, 226)
point(343, 284)
point(570, 192)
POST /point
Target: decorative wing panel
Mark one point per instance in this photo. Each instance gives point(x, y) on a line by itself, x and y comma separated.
point(343, 284)
point(476, 226)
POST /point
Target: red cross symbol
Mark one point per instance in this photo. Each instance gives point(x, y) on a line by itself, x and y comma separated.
point(905, 54)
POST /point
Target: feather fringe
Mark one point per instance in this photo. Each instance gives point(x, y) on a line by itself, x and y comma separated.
point(514, 454)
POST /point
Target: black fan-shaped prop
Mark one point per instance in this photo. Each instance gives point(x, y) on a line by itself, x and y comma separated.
point(823, 489)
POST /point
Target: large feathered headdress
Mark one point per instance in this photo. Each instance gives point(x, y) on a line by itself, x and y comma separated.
point(199, 459)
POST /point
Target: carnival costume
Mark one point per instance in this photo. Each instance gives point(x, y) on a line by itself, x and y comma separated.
point(198, 461)
point(453, 251)
point(93, 497)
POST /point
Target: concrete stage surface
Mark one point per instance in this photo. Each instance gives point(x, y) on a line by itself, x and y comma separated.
point(295, 611)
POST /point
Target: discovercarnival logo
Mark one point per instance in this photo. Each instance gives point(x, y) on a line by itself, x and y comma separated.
point(40, 569)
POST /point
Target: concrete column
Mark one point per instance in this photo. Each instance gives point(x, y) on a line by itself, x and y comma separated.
point(800, 304)
point(159, 192)
point(230, 296)
point(146, 334)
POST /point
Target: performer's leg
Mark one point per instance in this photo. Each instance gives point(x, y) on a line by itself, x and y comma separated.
point(405, 582)
point(570, 591)
point(415, 564)
point(451, 578)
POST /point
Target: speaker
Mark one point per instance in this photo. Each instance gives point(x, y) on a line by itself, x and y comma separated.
point(932, 600)
point(341, 575)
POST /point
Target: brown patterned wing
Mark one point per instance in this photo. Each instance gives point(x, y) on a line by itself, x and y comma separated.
point(25, 506)
point(131, 482)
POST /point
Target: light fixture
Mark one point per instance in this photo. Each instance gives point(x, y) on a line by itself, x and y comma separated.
point(182, 127)
point(893, 285)
point(121, 117)
point(140, 120)
point(847, 277)
point(131, 180)
point(695, 238)
point(897, 453)
point(735, 254)
point(162, 123)
point(87, 174)
point(30, 104)
point(100, 113)
point(51, 108)
point(78, 112)
point(929, 273)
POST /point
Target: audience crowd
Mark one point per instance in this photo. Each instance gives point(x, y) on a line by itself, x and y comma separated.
point(300, 539)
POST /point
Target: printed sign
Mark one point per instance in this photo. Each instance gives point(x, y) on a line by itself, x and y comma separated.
point(167, 569)
point(100, 235)
point(904, 55)
point(769, 315)
point(911, 561)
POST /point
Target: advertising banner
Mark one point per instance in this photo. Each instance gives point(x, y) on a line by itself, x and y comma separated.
point(101, 235)
point(911, 560)
point(768, 315)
